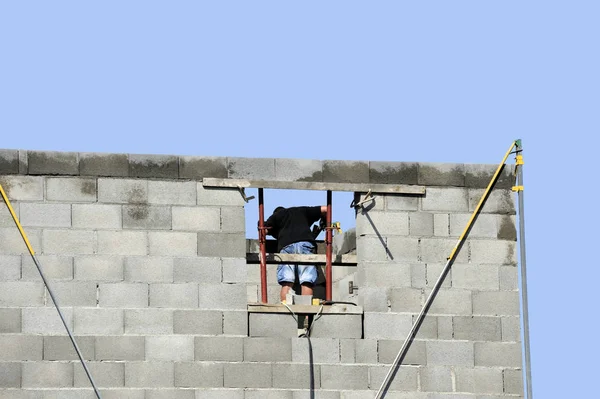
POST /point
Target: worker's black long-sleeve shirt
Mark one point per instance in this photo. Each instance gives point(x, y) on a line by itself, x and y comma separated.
point(292, 225)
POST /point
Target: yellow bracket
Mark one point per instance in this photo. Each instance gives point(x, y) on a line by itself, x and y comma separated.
point(337, 227)
point(517, 188)
point(520, 160)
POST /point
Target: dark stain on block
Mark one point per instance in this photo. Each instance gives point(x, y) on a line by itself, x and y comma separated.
point(136, 196)
point(160, 166)
point(438, 174)
point(93, 164)
point(9, 162)
point(53, 163)
point(139, 212)
point(251, 168)
point(393, 172)
point(6, 185)
point(507, 230)
point(88, 187)
point(316, 177)
point(479, 176)
point(197, 168)
point(345, 172)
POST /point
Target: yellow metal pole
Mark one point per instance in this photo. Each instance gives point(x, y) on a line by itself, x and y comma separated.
point(16, 219)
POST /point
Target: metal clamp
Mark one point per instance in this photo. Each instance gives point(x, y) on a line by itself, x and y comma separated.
point(243, 192)
point(368, 198)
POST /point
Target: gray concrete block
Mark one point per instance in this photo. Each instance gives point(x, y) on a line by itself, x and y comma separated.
point(98, 164)
point(218, 196)
point(382, 223)
point(121, 393)
point(477, 328)
point(450, 353)
point(172, 192)
point(372, 249)
point(439, 249)
point(198, 322)
point(445, 327)
point(334, 376)
point(441, 225)
point(196, 168)
point(509, 280)
point(10, 372)
point(147, 217)
point(179, 295)
point(393, 172)
point(513, 381)
point(149, 269)
point(21, 347)
point(123, 242)
point(71, 189)
point(10, 320)
point(296, 376)
point(498, 354)
point(405, 379)
point(222, 245)
point(298, 170)
point(433, 271)
point(476, 277)
point(338, 326)
point(479, 176)
point(428, 328)
point(511, 329)
point(69, 242)
point(98, 321)
point(272, 325)
point(177, 393)
point(11, 242)
point(221, 393)
point(406, 299)
point(268, 394)
point(418, 275)
point(20, 293)
point(45, 320)
point(177, 348)
point(421, 224)
point(54, 267)
point(172, 243)
point(496, 303)
point(228, 349)
point(403, 249)
point(499, 201)
point(235, 270)
point(9, 162)
point(120, 348)
point(345, 171)
point(196, 218)
point(159, 166)
point(441, 174)
point(311, 394)
point(97, 216)
point(105, 374)
point(73, 293)
point(52, 163)
point(6, 219)
point(197, 269)
point(149, 321)
point(23, 188)
point(47, 374)
point(235, 323)
point(365, 350)
point(445, 200)
point(251, 168)
point(119, 295)
point(493, 252)
point(315, 350)
point(10, 267)
point(122, 191)
point(401, 202)
point(387, 325)
point(198, 375)
point(451, 302)
point(247, 375)
point(374, 299)
point(271, 349)
point(485, 226)
point(222, 296)
point(61, 347)
point(98, 268)
point(389, 349)
point(233, 219)
point(478, 380)
point(348, 350)
point(150, 374)
point(45, 215)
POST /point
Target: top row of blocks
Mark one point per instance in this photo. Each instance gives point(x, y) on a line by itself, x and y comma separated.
point(196, 168)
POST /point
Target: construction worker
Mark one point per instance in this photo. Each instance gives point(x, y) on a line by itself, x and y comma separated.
point(292, 229)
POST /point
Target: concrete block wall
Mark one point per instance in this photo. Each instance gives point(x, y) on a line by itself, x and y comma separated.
point(149, 269)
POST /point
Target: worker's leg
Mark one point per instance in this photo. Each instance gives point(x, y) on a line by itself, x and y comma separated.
point(307, 274)
point(285, 289)
point(307, 289)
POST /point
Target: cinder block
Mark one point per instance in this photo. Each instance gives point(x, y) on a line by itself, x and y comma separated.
point(98, 321)
point(406, 299)
point(99, 268)
point(436, 379)
point(511, 329)
point(61, 347)
point(177, 348)
point(222, 393)
point(372, 249)
point(53, 163)
point(172, 243)
point(374, 299)
point(418, 275)
point(233, 219)
point(496, 303)
point(421, 224)
point(477, 328)
point(150, 374)
point(198, 322)
point(172, 192)
point(47, 374)
point(476, 277)
point(235, 270)
point(334, 376)
point(6, 219)
point(493, 252)
point(441, 225)
point(10, 373)
point(445, 327)
point(176, 393)
point(416, 354)
point(97, 216)
point(218, 196)
point(485, 225)
point(45, 215)
point(228, 349)
point(338, 326)
point(196, 168)
point(71, 189)
point(198, 375)
point(165, 166)
point(298, 170)
point(10, 320)
point(393, 172)
point(509, 280)
point(120, 295)
point(405, 379)
point(498, 354)
point(439, 249)
point(148, 321)
point(9, 162)
point(308, 394)
point(196, 269)
point(223, 296)
point(53, 267)
point(348, 351)
point(10, 267)
point(11, 242)
point(451, 302)
point(387, 325)
point(45, 320)
point(296, 376)
point(382, 223)
point(272, 325)
point(105, 374)
point(384, 274)
point(120, 348)
point(268, 394)
point(441, 174)
point(251, 168)
point(479, 176)
point(228, 245)
point(445, 199)
point(122, 191)
point(403, 249)
point(247, 375)
point(235, 323)
point(513, 381)
point(433, 271)
point(499, 201)
point(345, 171)
point(257, 349)
point(147, 217)
point(183, 295)
point(23, 188)
point(121, 393)
point(149, 269)
point(196, 218)
point(20, 293)
point(428, 328)
point(73, 293)
point(365, 350)
point(316, 350)
point(478, 380)
point(98, 164)
point(450, 353)
point(401, 202)
point(69, 242)
point(123, 242)
point(21, 347)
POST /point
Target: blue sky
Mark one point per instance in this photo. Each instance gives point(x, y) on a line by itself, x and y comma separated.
point(434, 81)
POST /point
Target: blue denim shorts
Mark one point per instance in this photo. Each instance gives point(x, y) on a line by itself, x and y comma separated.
point(306, 273)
